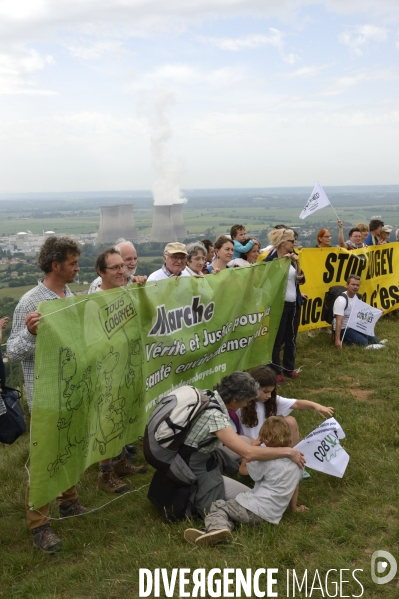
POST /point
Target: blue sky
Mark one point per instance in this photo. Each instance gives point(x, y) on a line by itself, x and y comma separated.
point(119, 94)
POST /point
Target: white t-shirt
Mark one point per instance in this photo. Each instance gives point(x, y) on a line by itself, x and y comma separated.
point(275, 484)
point(160, 274)
point(284, 408)
point(238, 262)
point(339, 309)
point(290, 293)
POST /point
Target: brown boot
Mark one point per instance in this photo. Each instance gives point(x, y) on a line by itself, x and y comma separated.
point(108, 481)
point(123, 467)
point(72, 508)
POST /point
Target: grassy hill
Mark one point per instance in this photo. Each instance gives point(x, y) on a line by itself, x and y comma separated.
point(348, 519)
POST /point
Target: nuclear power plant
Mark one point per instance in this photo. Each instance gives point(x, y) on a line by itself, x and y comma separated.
point(115, 222)
point(168, 223)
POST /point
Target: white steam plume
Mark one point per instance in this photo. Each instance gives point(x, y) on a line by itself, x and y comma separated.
point(166, 187)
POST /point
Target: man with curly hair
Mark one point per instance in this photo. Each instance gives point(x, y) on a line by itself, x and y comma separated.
point(58, 259)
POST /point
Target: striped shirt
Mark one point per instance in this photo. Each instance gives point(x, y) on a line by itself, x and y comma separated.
point(21, 344)
point(206, 425)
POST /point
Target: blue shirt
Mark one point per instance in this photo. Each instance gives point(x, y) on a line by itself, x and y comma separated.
point(371, 239)
point(241, 249)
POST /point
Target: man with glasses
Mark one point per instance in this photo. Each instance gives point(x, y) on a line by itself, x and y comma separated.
point(175, 258)
point(112, 269)
point(129, 256)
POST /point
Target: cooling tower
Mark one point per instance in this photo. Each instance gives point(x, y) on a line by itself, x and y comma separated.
point(115, 222)
point(162, 224)
point(126, 222)
point(178, 222)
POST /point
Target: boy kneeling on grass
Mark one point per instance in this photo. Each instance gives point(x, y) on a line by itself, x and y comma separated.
point(276, 486)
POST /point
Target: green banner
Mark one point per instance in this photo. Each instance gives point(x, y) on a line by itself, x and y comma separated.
point(104, 360)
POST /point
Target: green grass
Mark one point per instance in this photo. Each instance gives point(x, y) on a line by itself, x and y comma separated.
point(348, 518)
point(198, 220)
point(17, 292)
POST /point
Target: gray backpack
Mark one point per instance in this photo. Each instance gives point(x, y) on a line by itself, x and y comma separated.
point(174, 483)
point(167, 430)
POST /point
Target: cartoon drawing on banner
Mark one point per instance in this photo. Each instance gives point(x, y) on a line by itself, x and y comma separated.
point(76, 398)
point(135, 373)
point(111, 415)
point(102, 397)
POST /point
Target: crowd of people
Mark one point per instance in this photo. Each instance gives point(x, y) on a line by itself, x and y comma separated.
point(253, 426)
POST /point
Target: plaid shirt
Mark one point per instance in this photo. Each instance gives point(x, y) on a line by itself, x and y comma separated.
point(21, 344)
point(205, 426)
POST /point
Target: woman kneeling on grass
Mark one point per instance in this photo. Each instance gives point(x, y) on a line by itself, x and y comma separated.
point(276, 486)
point(210, 430)
point(268, 403)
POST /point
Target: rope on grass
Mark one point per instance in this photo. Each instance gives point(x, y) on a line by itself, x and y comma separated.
point(94, 510)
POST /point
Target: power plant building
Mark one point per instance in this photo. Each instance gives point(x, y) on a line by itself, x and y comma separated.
point(115, 222)
point(168, 223)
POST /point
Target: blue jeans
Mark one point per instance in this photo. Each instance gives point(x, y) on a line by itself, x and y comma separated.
point(353, 337)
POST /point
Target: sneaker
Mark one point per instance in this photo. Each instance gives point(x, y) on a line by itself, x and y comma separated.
point(293, 375)
point(192, 534)
point(123, 467)
point(108, 481)
point(375, 346)
point(281, 380)
point(326, 330)
point(72, 508)
point(45, 539)
point(384, 341)
point(211, 538)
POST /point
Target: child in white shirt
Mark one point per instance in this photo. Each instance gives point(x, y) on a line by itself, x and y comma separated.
point(276, 486)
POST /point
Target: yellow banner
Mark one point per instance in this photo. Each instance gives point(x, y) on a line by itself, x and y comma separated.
point(377, 267)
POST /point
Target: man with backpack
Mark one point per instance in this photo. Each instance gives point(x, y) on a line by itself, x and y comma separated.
point(190, 462)
point(343, 306)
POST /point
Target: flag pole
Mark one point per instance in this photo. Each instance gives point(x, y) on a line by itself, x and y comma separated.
point(334, 211)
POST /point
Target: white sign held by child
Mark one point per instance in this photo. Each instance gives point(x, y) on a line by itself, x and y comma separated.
point(318, 199)
point(323, 451)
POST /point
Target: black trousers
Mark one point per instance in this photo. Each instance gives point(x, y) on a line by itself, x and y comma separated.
point(286, 335)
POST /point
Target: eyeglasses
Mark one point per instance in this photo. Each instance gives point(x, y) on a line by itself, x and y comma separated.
point(116, 268)
point(327, 236)
point(290, 240)
point(176, 259)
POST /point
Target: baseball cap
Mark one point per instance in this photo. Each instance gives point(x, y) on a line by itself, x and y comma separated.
point(175, 248)
point(387, 229)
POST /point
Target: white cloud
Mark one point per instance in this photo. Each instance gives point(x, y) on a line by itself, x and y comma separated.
point(251, 42)
point(82, 129)
point(234, 44)
point(305, 71)
point(94, 51)
point(174, 72)
point(361, 36)
point(342, 84)
point(18, 69)
point(186, 78)
point(45, 18)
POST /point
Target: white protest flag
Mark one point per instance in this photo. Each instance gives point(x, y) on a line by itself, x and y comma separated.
point(317, 200)
point(363, 318)
point(322, 449)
